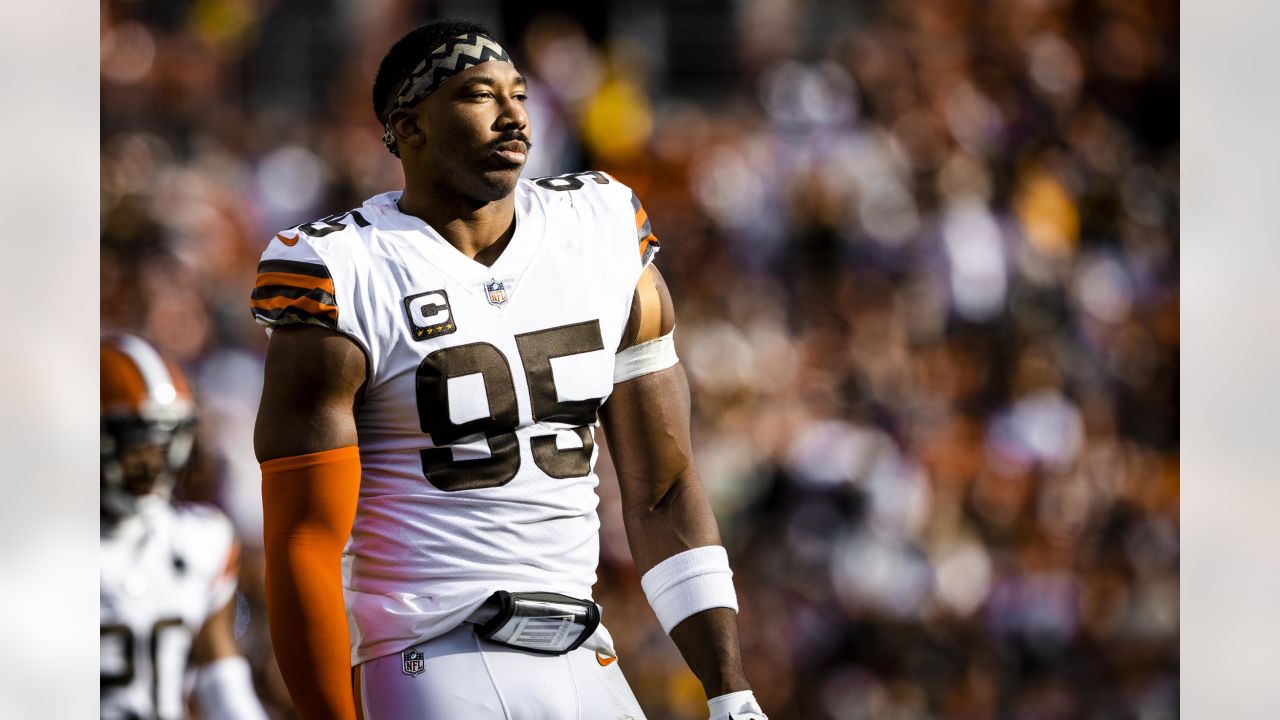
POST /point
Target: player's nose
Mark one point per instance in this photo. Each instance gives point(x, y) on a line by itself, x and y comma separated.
point(513, 116)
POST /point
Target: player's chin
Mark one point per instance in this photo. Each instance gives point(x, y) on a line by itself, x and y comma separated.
point(501, 182)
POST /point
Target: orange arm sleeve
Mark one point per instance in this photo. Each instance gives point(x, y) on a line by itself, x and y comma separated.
point(309, 504)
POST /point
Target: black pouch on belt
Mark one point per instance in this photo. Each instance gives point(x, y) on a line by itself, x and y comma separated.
point(540, 622)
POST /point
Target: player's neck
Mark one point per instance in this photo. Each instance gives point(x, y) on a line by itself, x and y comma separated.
point(479, 231)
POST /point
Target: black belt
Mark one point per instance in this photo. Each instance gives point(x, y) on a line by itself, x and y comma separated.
point(541, 622)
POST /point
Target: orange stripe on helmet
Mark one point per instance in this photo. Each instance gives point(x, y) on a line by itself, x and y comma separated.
point(123, 389)
point(136, 379)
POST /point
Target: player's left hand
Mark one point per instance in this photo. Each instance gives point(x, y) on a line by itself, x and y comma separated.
point(740, 705)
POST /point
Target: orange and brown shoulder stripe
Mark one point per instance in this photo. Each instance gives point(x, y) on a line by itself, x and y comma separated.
point(644, 230)
point(294, 291)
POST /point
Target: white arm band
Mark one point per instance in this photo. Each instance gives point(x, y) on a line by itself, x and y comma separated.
point(645, 358)
point(224, 690)
point(688, 583)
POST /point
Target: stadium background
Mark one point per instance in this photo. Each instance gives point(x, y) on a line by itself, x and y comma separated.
point(925, 260)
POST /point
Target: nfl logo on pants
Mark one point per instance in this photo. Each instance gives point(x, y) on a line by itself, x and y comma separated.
point(414, 662)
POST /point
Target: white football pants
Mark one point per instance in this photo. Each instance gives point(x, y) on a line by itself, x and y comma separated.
point(466, 678)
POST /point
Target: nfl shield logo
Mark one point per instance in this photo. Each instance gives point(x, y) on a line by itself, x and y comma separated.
point(496, 291)
point(414, 663)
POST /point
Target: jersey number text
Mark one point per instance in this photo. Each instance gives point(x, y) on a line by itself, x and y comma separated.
point(536, 351)
point(166, 650)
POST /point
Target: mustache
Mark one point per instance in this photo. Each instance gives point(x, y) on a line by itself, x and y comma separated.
point(504, 142)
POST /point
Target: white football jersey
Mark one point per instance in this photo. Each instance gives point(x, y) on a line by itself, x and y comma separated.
point(478, 418)
point(164, 572)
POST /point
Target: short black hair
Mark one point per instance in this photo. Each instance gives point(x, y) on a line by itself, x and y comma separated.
point(409, 50)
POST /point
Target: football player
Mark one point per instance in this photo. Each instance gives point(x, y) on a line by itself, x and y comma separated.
point(438, 360)
point(168, 571)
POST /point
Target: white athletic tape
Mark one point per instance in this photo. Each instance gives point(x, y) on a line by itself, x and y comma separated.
point(740, 705)
point(688, 583)
point(645, 358)
point(224, 690)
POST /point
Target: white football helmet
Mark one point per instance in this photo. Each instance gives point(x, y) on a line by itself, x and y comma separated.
point(148, 423)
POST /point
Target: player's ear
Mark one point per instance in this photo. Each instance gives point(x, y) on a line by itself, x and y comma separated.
point(405, 126)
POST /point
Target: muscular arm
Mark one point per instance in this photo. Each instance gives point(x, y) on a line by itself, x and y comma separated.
point(308, 393)
point(305, 436)
point(665, 510)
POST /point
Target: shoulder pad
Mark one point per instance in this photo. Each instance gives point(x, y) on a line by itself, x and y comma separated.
point(614, 195)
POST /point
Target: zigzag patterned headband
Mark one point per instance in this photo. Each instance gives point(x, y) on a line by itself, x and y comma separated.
point(454, 56)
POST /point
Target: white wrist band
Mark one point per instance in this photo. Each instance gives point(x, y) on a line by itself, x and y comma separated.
point(224, 690)
point(688, 583)
point(740, 705)
point(645, 358)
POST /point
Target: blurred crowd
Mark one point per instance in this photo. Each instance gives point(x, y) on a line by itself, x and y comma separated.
point(924, 255)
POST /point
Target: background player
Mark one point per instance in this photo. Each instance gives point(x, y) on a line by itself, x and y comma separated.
point(462, 335)
point(168, 570)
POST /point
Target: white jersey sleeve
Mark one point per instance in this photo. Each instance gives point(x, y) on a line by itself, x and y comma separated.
point(646, 242)
point(314, 274)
